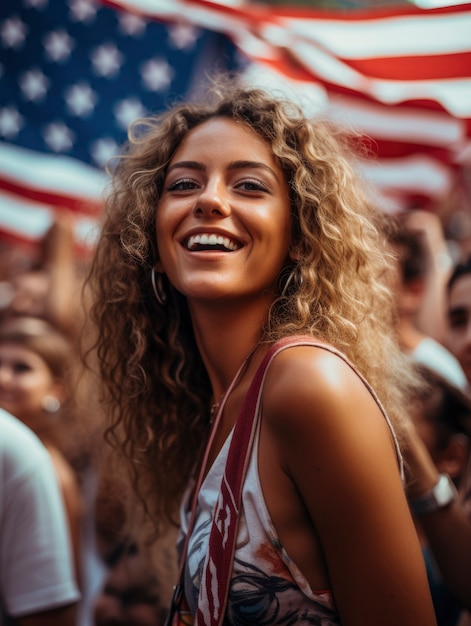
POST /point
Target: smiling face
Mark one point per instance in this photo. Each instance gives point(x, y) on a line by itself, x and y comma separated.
point(25, 379)
point(223, 222)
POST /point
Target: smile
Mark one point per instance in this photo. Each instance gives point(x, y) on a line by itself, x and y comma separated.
point(211, 241)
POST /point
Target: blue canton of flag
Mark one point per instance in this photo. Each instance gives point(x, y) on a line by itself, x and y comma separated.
point(73, 75)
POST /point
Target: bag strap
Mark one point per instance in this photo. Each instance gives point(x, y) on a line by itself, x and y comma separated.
point(218, 565)
point(178, 590)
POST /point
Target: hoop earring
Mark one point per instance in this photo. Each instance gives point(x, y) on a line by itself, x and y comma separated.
point(295, 278)
point(50, 404)
point(158, 287)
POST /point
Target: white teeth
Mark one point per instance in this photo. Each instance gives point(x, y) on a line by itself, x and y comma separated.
point(211, 240)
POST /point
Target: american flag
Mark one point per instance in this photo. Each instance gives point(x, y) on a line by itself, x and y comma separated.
point(74, 73)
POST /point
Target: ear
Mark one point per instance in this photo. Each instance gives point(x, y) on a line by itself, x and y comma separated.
point(453, 460)
point(158, 267)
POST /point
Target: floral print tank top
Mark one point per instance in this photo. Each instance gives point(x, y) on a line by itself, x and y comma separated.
point(267, 589)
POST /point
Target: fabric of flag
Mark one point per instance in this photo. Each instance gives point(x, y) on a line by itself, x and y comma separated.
point(74, 73)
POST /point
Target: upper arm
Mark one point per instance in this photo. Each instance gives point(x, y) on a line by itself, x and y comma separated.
point(336, 447)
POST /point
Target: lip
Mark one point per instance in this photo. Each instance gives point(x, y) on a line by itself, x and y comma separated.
point(214, 232)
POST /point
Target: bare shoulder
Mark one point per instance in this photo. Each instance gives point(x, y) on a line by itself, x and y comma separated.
point(314, 377)
point(313, 395)
point(327, 443)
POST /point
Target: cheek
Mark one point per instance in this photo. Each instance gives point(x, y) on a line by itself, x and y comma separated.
point(25, 382)
point(37, 384)
point(455, 340)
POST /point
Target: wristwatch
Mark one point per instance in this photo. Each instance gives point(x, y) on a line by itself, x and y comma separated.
point(440, 496)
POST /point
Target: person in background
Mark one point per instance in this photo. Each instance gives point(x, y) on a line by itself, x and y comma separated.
point(458, 340)
point(37, 580)
point(437, 254)
point(48, 285)
point(408, 276)
point(438, 444)
point(437, 457)
point(44, 282)
point(458, 336)
point(35, 386)
point(230, 225)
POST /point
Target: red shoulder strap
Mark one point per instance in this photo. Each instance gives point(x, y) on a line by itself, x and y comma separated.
point(218, 565)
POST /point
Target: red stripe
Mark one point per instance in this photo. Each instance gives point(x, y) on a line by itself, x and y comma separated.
point(356, 14)
point(290, 67)
point(387, 148)
point(53, 199)
point(430, 67)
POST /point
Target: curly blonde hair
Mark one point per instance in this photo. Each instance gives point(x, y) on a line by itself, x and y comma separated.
point(155, 386)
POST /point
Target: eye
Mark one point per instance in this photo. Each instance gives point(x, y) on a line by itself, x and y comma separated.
point(182, 184)
point(458, 319)
point(252, 184)
point(20, 367)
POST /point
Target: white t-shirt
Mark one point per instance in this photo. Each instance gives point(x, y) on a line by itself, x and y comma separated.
point(36, 567)
point(439, 359)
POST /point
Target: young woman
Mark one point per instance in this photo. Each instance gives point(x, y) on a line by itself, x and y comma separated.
point(229, 226)
point(35, 387)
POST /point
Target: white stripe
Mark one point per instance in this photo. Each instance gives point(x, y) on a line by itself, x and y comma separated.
point(410, 125)
point(214, 18)
point(407, 35)
point(415, 174)
point(433, 4)
point(31, 220)
point(51, 173)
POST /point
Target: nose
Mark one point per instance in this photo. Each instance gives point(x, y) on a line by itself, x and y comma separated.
point(213, 200)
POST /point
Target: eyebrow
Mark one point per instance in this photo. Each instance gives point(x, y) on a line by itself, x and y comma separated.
point(234, 165)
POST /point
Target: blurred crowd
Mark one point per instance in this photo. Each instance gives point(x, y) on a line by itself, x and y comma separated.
point(123, 574)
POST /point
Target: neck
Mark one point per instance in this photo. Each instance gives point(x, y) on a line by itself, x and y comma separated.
point(226, 336)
